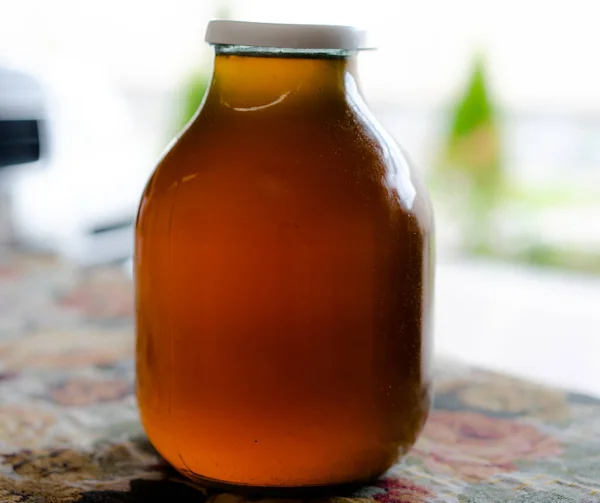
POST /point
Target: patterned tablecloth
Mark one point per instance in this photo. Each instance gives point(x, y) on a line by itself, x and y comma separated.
point(69, 429)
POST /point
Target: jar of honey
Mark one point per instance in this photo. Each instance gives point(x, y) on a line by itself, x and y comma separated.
point(284, 273)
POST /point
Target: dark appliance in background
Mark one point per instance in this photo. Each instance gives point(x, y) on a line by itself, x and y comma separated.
point(21, 138)
point(19, 141)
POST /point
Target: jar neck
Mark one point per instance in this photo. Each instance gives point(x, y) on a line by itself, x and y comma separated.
point(247, 79)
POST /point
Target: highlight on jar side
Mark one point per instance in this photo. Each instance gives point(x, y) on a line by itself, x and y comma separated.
point(284, 273)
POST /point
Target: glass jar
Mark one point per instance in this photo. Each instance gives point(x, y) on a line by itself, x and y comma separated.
point(284, 273)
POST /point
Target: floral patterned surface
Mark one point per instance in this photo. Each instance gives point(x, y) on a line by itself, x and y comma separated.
point(69, 429)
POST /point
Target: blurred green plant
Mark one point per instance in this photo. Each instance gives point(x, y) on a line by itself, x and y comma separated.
point(552, 256)
point(196, 84)
point(469, 174)
point(192, 95)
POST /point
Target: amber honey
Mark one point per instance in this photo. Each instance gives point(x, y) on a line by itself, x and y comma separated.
point(284, 282)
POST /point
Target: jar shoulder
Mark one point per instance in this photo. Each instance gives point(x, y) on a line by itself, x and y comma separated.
point(346, 156)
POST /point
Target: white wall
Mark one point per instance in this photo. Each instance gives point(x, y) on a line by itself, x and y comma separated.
point(542, 53)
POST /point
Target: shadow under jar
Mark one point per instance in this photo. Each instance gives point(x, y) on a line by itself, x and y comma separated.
point(284, 274)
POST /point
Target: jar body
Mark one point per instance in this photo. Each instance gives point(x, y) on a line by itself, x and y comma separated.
point(283, 281)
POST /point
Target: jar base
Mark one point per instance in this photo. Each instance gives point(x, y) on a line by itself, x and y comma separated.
point(345, 489)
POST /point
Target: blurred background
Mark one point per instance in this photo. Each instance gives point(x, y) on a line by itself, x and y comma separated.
point(497, 102)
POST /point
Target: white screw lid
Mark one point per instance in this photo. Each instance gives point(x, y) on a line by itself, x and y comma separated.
point(285, 36)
